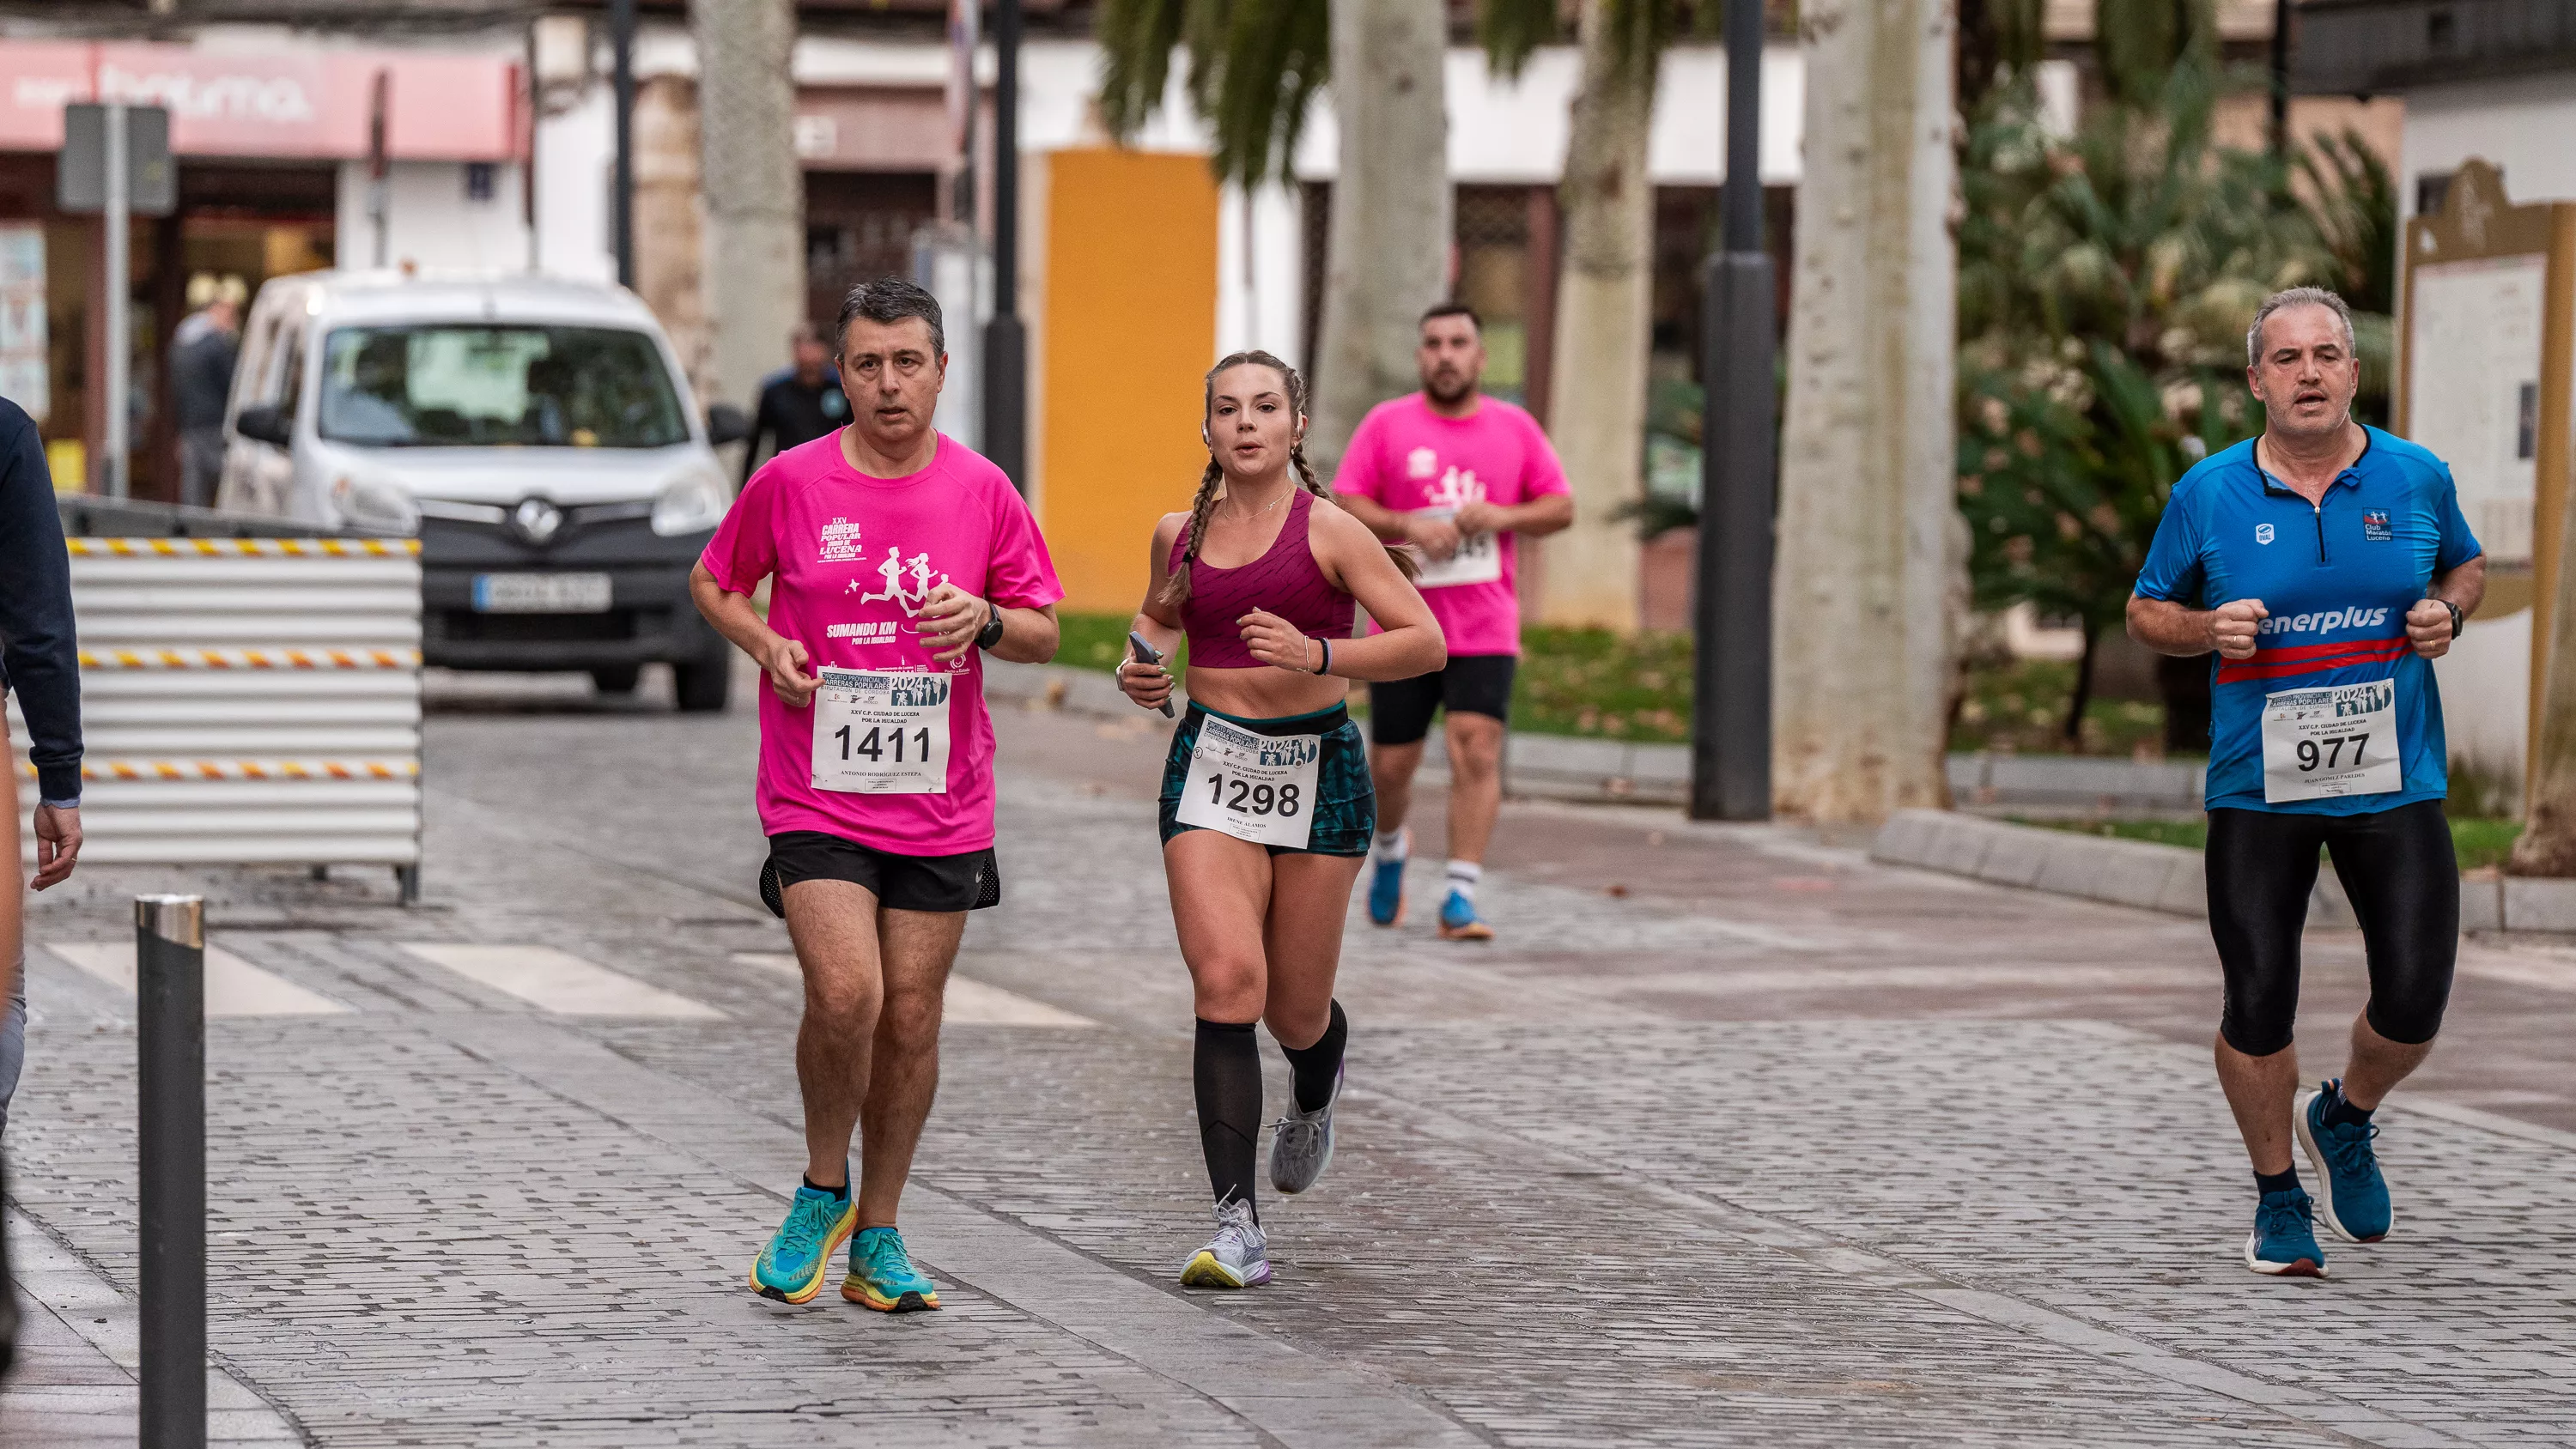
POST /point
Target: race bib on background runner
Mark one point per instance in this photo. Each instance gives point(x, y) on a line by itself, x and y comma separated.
point(2339, 740)
point(882, 732)
point(1479, 559)
point(1253, 787)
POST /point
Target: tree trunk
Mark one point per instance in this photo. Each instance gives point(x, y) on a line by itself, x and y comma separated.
point(1867, 475)
point(755, 193)
point(2081, 697)
point(2548, 843)
point(1386, 257)
point(1604, 332)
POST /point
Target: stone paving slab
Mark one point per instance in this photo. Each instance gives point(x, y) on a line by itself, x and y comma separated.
point(1765, 1146)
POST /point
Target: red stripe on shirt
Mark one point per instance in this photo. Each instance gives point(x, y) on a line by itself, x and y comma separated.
point(2268, 666)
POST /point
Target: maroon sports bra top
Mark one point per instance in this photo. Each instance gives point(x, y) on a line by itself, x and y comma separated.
point(1285, 581)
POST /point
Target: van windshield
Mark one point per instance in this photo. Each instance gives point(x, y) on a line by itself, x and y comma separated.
point(438, 386)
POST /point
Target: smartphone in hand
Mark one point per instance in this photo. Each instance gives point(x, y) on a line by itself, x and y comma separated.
point(1147, 654)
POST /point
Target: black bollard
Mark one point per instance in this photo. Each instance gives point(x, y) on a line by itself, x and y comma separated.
point(170, 1038)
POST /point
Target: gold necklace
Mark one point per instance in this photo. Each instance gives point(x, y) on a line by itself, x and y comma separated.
point(1242, 517)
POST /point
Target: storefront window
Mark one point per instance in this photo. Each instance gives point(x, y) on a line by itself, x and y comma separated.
point(439, 386)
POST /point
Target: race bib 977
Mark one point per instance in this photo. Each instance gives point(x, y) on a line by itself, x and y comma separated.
point(882, 732)
point(2334, 741)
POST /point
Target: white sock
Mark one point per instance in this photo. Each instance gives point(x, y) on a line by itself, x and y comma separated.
point(1463, 875)
point(1391, 845)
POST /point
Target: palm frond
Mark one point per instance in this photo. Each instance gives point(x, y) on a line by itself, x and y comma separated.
point(1253, 68)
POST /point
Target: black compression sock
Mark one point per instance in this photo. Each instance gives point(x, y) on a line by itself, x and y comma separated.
point(2268, 1183)
point(2340, 1112)
point(1226, 1068)
point(839, 1194)
point(1313, 1067)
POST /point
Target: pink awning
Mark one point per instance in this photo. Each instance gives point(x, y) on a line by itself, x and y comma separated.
point(283, 102)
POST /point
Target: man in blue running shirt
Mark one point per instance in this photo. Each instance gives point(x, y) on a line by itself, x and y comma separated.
point(2326, 564)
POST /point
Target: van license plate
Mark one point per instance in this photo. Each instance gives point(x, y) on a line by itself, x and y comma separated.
point(541, 593)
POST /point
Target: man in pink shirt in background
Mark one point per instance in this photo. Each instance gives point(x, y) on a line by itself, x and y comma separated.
point(1456, 474)
point(896, 558)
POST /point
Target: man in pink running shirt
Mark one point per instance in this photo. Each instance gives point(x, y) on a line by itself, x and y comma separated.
point(895, 558)
point(1456, 474)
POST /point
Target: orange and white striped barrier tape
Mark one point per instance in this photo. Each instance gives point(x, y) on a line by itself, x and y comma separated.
point(250, 659)
point(242, 769)
point(243, 547)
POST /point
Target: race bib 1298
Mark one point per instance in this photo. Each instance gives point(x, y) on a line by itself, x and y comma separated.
point(1251, 786)
point(882, 732)
point(2333, 741)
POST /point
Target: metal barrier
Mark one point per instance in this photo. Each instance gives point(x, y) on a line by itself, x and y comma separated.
point(248, 701)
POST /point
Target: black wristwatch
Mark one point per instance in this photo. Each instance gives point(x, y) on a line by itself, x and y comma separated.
point(991, 633)
point(2457, 618)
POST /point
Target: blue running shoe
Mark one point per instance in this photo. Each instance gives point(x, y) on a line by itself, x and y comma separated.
point(1386, 892)
point(1459, 921)
point(792, 1268)
point(2282, 1243)
point(882, 1275)
point(2351, 1196)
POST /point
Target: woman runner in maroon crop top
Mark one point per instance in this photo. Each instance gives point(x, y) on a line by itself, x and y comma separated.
point(1267, 808)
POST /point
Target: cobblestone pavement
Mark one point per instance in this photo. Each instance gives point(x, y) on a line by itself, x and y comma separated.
point(1733, 1138)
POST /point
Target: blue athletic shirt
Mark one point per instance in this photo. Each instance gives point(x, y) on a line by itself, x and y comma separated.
point(2337, 579)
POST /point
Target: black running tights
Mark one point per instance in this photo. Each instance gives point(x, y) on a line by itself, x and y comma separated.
point(2397, 868)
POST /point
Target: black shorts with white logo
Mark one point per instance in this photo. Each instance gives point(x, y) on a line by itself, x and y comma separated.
point(1400, 709)
point(971, 881)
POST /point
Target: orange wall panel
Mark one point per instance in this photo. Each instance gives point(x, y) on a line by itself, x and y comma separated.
point(1130, 331)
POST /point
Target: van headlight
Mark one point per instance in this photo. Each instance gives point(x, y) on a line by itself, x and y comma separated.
point(692, 504)
point(376, 504)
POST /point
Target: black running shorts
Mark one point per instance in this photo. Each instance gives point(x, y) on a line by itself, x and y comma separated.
point(899, 882)
point(2398, 870)
point(1400, 710)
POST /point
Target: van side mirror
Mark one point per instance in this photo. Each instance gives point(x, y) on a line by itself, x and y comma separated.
point(726, 424)
point(263, 423)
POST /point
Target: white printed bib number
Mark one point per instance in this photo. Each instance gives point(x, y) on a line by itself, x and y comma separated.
point(882, 732)
point(1253, 787)
point(2335, 741)
point(1479, 559)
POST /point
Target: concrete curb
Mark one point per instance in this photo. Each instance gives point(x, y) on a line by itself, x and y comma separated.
point(2165, 877)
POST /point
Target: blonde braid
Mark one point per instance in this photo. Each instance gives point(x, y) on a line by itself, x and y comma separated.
point(1176, 588)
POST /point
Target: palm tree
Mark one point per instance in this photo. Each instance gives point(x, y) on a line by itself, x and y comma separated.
point(1253, 67)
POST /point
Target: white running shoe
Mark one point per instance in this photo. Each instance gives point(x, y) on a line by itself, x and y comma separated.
point(1237, 1257)
point(1301, 1143)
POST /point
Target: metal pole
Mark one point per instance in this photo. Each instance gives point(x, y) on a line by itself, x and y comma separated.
point(170, 1046)
point(2281, 78)
point(379, 184)
point(1005, 340)
point(120, 319)
point(1731, 613)
point(621, 38)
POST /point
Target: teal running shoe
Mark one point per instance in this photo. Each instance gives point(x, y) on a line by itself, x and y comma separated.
point(2283, 1244)
point(2351, 1195)
point(792, 1268)
point(1459, 921)
point(1386, 892)
point(882, 1275)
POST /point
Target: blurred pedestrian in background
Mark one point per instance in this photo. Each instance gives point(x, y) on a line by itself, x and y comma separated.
point(39, 659)
point(798, 403)
point(203, 350)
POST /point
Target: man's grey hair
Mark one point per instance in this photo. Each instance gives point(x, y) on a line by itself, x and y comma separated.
point(889, 300)
point(2296, 297)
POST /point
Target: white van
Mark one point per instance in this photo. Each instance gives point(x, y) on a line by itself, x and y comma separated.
point(536, 434)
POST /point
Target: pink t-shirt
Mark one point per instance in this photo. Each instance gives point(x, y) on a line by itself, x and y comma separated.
point(851, 558)
point(1408, 458)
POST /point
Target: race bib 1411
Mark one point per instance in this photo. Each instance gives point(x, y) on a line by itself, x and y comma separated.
point(882, 732)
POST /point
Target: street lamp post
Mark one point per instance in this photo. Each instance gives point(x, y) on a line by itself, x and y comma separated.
point(621, 42)
point(1731, 609)
point(1005, 340)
